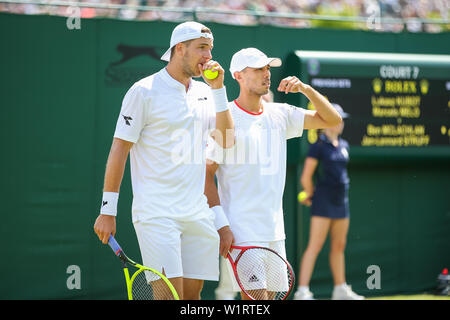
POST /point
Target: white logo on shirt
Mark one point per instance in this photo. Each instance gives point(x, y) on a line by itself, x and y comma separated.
point(344, 153)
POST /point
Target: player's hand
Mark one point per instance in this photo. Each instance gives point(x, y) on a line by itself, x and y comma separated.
point(226, 240)
point(216, 83)
point(292, 84)
point(105, 226)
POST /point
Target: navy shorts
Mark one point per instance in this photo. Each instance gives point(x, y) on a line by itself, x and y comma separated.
point(331, 201)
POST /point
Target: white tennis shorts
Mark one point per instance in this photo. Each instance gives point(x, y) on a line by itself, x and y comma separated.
point(257, 278)
point(188, 249)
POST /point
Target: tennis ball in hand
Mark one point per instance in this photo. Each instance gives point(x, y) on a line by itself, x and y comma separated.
point(302, 196)
point(210, 74)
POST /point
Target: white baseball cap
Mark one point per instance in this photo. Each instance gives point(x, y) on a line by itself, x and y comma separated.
point(183, 32)
point(253, 58)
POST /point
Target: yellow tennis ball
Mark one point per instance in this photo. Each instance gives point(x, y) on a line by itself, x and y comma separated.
point(210, 74)
point(302, 196)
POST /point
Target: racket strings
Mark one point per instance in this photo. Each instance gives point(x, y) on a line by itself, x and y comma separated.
point(149, 286)
point(264, 275)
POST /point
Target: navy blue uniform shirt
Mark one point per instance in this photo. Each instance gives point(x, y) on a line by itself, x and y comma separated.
point(330, 197)
point(332, 161)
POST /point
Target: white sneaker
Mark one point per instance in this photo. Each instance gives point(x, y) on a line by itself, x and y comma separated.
point(344, 292)
point(303, 295)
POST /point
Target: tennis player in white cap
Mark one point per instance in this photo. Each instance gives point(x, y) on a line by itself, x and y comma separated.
point(251, 174)
point(164, 124)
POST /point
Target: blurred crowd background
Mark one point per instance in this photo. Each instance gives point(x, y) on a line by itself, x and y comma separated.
point(380, 15)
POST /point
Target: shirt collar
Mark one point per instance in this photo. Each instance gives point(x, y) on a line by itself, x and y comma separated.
point(324, 138)
point(175, 84)
point(251, 113)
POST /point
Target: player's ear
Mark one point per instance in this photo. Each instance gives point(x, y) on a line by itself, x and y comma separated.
point(237, 75)
point(179, 49)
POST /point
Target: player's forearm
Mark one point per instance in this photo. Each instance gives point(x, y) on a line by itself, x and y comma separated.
point(113, 176)
point(224, 134)
point(220, 219)
point(324, 109)
point(115, 165)
point(211, 192)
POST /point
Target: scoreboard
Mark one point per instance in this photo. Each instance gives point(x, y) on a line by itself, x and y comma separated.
point(399, 104)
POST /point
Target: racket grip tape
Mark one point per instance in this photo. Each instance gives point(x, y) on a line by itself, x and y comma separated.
point(114, 245)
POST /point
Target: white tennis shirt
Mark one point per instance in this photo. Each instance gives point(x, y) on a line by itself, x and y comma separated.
point(169, 128)
point(252, 174)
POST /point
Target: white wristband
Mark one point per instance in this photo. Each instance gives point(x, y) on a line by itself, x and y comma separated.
point(220, 99)
point(109, 203)
point(220, 219)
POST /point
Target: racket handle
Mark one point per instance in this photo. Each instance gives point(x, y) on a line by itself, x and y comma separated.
point(114, 245)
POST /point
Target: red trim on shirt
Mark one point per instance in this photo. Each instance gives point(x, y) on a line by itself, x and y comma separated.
point(253, 114)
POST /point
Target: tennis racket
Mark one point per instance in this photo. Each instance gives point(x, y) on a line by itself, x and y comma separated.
point(145, 283)
point(261, 273)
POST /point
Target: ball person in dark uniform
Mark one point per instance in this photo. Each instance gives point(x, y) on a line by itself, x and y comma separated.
point(328, 199)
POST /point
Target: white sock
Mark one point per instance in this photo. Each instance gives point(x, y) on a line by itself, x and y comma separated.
point(341, 286)
point(303, 288)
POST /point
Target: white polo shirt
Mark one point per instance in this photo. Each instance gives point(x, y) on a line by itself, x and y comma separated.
point(169, 128)
point(252, 174)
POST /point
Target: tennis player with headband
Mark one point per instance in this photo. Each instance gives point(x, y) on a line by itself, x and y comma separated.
point(158, 125)
point(251, 174)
